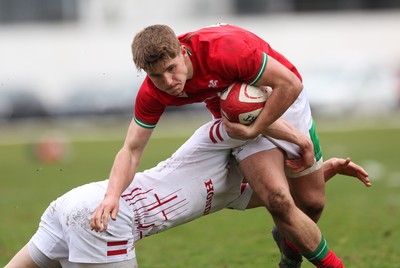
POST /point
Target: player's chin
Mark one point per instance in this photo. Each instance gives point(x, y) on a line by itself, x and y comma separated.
point(175, 91)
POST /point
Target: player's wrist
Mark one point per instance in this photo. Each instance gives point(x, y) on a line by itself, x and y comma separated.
point(112, 195)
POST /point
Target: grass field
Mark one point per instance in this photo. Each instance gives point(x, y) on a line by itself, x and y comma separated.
point(360, 224)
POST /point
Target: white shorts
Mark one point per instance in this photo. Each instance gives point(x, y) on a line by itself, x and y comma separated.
point(200, 178)
point(299, 115)
point(64, 232)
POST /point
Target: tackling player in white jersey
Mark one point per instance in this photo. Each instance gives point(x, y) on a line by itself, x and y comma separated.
point(189, 184)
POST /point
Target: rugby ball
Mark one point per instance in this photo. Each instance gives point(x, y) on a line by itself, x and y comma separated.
point(242, 103)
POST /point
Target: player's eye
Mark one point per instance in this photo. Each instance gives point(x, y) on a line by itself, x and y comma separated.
point(171, 68)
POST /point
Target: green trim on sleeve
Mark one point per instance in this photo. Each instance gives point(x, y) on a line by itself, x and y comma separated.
point(262, 69)
point(143, 124)
point(189, 36)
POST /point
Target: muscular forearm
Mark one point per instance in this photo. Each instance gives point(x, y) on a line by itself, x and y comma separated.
point(122, 172)
point(124, 168)
point(282, 130)
point(281, 99)
point(128, 158)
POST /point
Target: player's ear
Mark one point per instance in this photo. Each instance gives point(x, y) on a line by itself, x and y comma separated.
point(183, 50)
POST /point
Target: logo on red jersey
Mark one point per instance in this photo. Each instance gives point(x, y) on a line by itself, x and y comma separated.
point(213, 84)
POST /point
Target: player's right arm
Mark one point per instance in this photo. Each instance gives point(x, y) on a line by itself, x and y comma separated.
point(123, 170)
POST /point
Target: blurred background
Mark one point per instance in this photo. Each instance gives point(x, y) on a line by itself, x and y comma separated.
point(67, 58)
point(68, 62)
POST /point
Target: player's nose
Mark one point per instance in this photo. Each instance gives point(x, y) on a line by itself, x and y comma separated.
point(168, 80)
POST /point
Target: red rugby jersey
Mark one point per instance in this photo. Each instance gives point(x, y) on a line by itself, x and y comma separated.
point(221, 55)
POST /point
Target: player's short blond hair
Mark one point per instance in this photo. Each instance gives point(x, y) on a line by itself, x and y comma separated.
point(153, 44)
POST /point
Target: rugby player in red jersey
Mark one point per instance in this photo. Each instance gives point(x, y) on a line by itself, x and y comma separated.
point(196, 67)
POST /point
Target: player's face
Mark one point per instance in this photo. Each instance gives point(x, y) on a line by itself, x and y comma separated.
point(170, 75)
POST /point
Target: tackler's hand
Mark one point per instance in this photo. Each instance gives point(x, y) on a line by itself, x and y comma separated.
point(345, 167)
point(108, 208)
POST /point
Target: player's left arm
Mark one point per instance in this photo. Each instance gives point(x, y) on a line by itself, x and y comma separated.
point(283, 130)
point(286, 88)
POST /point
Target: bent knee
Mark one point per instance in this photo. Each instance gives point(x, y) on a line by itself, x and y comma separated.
point(279, 203)
point(312, 206)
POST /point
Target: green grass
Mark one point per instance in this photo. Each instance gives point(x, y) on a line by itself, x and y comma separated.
point(360, 224)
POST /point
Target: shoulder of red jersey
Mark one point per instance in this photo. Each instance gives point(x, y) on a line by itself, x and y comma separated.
point(227, 51)
point(241, 53)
